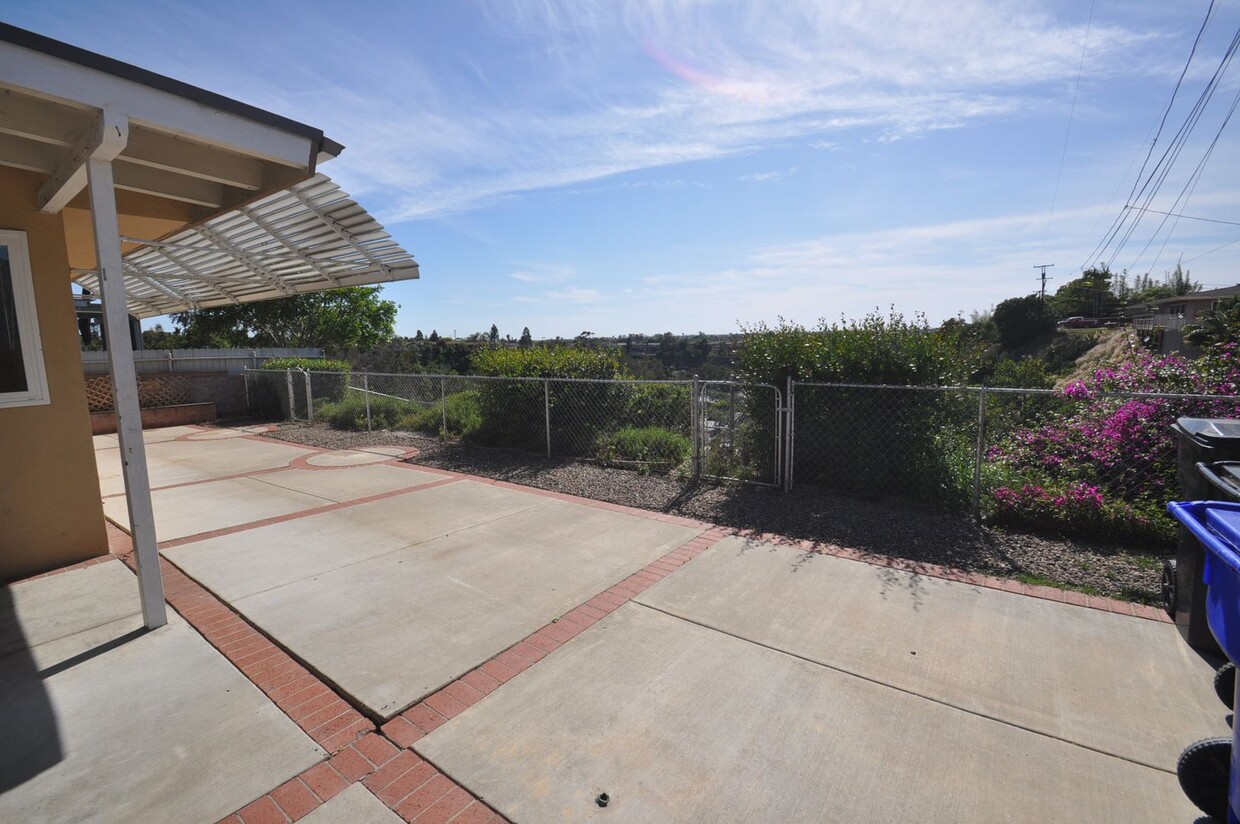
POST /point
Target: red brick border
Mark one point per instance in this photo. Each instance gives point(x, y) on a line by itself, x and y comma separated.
point(327, 718)
point(462, 693)
point(409, 786)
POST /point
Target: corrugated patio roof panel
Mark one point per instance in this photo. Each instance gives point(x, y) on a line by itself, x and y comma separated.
point(308, 238)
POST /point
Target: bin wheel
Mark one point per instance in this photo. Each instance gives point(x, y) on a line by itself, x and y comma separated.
point(1169, 586)
point(1225, 685)
point(1203, 770)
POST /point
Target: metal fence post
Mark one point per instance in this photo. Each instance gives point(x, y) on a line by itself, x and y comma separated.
point(790, 434)
point(292, 401)
point(981, 443)
point(254, 358)
point(366, 394)
point(443, 409)
point(309, 398)
point(172, 364)
point(547, 412)
point(696, 432)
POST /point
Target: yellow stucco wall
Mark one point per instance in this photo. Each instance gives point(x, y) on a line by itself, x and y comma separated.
point(50, 509)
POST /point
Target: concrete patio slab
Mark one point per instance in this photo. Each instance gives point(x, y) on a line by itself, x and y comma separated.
point(190, 510)
point(350, 483)
point(116, 724)
point(177, 462)
point(47, 609)
point(681, 723)
point(264, 558)
point(356, 805)
point(1123, 685)
point(391, 629)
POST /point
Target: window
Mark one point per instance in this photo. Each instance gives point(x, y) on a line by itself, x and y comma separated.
point(23, 380)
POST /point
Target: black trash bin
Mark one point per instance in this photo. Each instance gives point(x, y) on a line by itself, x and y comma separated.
point(1207, 468)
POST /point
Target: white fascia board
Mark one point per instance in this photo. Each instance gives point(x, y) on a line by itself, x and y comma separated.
point(48, 76)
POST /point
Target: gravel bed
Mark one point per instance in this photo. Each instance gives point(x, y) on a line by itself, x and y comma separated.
point(898, 528)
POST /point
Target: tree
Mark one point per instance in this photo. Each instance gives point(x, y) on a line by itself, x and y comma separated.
point(434, 338)
point(160, 338)
point(527, 340)
point(1090, 295)
point(350, 318)
point(1021, 320)
point(1146, 289)
point(1217, 325)
point(419, 336)
point(493, 336)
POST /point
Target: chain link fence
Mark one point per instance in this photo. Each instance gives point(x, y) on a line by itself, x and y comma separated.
point(885, 441)
point(1097, 465)
point(700, 429)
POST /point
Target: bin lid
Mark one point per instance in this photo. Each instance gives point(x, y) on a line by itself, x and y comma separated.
point(1224, 476)
point(1225, 523)
point(1211, 431)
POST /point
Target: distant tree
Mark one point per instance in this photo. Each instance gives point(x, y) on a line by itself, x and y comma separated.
point(1217, 325)
point(434, 338)
point(350, 318)
point(527, 340)
point(493, 336)
point(1147, 289)
point(1021, 320)
point(160, 338)
point(418, 336)
point(1090, 295)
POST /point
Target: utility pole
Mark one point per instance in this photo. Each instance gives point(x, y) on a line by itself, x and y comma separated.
point(1043, 267)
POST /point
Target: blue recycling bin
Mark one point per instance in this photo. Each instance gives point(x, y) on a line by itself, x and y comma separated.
point(1217, 525)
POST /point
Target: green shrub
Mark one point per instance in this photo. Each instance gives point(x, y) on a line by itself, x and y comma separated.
point(512, 413)
point(547, 362)
point(662, 405)
point(862, 439)
point(648, 444)
point(403, 415)
point(1027, 373)
point(462, 417)
point(1022, 320)
point(308, 364)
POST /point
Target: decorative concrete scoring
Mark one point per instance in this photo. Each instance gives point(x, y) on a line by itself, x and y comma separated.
point(406, 783)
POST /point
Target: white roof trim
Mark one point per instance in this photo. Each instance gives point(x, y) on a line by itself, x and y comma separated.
point(308, 238)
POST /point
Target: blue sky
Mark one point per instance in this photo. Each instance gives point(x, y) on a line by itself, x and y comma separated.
point(682, 165)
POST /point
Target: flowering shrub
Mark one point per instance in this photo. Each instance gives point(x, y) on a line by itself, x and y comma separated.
point(1105, 465)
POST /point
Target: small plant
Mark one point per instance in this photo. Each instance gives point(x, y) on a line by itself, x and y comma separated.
point(646, 445)
point(308, 364)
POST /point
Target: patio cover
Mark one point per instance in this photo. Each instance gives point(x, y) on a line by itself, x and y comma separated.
point(308, 238)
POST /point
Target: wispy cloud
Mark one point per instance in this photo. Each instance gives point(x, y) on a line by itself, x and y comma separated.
point(543, 273)
point(766, 177)
point(648, 83)
point(569, 295)
point(615, 86)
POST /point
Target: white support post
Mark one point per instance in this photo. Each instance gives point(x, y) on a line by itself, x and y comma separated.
point(125, 392)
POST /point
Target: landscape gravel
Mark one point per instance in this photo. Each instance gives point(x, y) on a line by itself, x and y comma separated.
point(898, 528)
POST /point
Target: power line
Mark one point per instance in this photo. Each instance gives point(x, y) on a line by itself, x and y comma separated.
point(1185, 217)
point(1162, 122)
point(1162, 168)
point(1212, 251)
point(1147, 187)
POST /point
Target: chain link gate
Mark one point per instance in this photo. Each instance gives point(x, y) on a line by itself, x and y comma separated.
point(739, 431)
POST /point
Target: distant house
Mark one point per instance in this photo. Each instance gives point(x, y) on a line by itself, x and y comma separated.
point(1166, 322)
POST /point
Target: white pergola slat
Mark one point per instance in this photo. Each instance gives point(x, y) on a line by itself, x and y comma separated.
point(308, 238)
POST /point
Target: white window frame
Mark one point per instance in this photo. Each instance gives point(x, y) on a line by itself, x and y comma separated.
point(36, 393)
